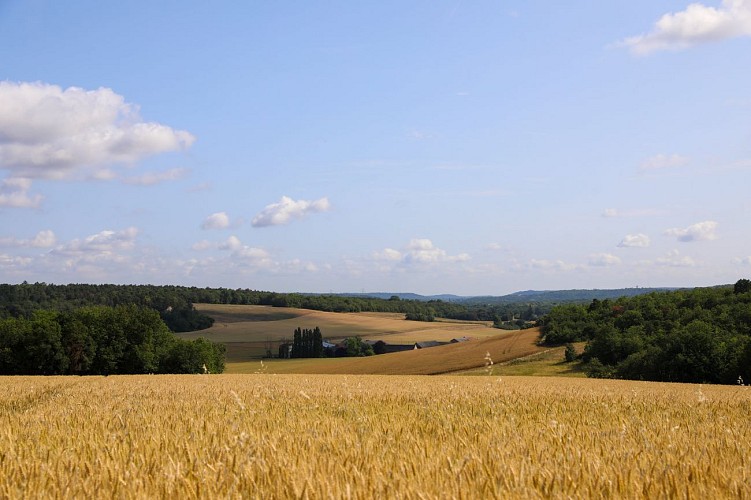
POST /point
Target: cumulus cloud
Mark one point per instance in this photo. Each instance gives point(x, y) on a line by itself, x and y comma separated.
point(12, 263)
point(674, 259)
point(662, 161)
point(104, 244)
point(287, 209)
point(14, 192)
point(423, 251)
point(238, 249)
point(697, 24)
point(604, 260)
point(701, 231)
point(232, 243)
point(43, 239)
point(388, 254)
point(151, 178)
point(635, 241)
point(248, 259)
point(218, 220)
point(52, 133)
point(419, 251)
point(98, 256)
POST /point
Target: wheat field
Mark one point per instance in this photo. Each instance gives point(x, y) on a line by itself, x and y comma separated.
point(337, 436)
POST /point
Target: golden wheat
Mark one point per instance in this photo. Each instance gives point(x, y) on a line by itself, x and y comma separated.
point(319, 436)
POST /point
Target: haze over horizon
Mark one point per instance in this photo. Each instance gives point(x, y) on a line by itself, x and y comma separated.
point(425, 147)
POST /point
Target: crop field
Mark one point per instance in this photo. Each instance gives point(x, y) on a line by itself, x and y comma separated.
point(503, 346)
point(248, 331)
point(334, 436)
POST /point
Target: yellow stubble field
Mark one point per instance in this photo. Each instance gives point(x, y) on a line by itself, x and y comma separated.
point(347, 436)
point(249, 330)
point(477, 353)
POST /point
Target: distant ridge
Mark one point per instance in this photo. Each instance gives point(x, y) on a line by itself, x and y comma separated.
point(558, 296)
point(406, 296)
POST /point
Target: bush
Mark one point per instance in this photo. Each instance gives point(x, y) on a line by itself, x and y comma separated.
point(570, 353)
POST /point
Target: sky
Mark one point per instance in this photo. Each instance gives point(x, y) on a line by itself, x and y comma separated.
point(464, 147)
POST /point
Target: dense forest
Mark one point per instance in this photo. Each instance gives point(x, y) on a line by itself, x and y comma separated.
point(101, 340)
point(175, 303)
point(698, 335)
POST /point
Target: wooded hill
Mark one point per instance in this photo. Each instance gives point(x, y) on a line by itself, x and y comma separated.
point(699, 335)
point(175, 303)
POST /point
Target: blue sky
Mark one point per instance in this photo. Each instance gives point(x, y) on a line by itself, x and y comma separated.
point(427, 146)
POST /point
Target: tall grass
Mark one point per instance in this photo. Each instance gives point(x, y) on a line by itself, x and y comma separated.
point(319, 436)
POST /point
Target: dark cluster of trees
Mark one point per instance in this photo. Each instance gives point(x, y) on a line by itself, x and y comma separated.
point(173, 303)
point(355, 347)
point(428, 315)
point(307, 343)
point(699, 335)
point(101, 340)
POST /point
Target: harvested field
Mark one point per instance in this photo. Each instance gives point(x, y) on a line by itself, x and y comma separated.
point(248, 331)
point(334, 436)
point(449, 358)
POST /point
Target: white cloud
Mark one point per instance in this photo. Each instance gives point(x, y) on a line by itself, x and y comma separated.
point(701, 231)
point(674, 259)
point(232, 243)
point(43, 239)
point(151, 178)
point(423, 251)
point(218, 220)
point(697, 24)
point(105, 243)
point(604, 260)
point(287, 209)
point(247, 259)
point(14, 192)
point(99, 257)
point(388, 254)
point(53, 133)
point(10, 262)
point(744, 260)
point(662, 161)
point(418, 252)
point(635, 241)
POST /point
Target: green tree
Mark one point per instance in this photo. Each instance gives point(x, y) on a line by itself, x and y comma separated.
point(356, 347)
point(570, 353)
point(742, 286)
point(78, 343)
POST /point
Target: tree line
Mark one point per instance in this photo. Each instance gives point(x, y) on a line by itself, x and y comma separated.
point(175, 303)
point(699, 335)
point(101, 340)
